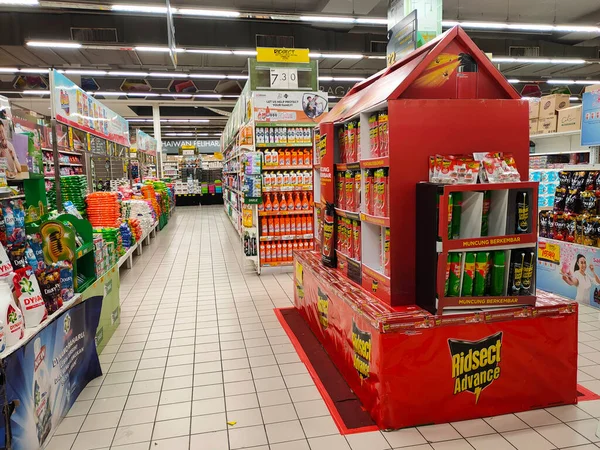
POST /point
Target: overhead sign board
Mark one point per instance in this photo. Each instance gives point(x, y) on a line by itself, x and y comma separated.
point(282, 55)
point(590, 119)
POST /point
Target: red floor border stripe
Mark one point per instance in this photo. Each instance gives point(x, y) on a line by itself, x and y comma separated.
point(313, 373)
point(587, 394)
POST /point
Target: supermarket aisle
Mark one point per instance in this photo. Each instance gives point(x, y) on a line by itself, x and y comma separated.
point(199, 346)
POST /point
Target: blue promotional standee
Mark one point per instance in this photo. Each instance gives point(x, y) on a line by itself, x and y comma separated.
point(43, 378)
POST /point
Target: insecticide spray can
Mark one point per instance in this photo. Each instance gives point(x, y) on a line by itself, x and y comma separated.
point(516, 272)
point(447, 275)
point(481, 271)
point(454, 277)
point(485, 215)
point(526, 280)
point(456, 213)
point(469, 275)
point(497, 287)
point(522, 213)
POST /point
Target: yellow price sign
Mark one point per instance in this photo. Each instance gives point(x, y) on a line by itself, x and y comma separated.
point(299, 273)
point(282, 55)
point(548, 251)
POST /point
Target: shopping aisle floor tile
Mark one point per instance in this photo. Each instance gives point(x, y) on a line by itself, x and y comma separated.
point(200, 362)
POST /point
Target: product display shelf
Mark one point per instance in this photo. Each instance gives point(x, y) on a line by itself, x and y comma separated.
point(489, 230)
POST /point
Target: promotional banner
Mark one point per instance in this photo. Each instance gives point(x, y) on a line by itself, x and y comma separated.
point(72, 106)
point(569, 270)
point(107, 286)
point(145, 143)
point(289, 106)
point(590, 119)
point(45, 376)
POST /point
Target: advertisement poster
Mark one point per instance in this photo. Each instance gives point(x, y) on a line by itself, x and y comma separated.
point(110, 317)
point(72, 106)
point(145, 143)
point(46, 375)
point(289, 106)
point(590, 119)
point(569, 270)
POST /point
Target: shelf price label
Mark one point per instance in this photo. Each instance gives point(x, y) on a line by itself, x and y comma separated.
point(284, 78)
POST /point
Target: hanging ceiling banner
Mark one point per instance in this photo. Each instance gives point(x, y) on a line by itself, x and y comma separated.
point(282, 55)
point(145, 143)
point(72, 106)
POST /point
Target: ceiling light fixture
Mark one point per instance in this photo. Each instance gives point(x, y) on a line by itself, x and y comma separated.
point(168, 75)
point(522, 26)
point(587, 82)
point(177, 95)
point(8, 69)
point(142, 94)
point(85, 72)
point(327, 19)
point(212, 76)
point(20, 2)
point(371, 21)
point(341, 55)
point(513, 80)
point(140, 9)
point(237, 77)
point(244, 52)
point(51, 44)
point(143, 48)
point(199, 120)
point(208, 96)
point(128, 74)
point(34, 92)
point(560, 81)
point(108, 94)
point(575, 99)
point(208, 13)
point(210, 51)
point(35, 70)
point(507, 59)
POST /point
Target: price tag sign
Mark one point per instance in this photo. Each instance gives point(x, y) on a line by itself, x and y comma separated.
point(284, 78)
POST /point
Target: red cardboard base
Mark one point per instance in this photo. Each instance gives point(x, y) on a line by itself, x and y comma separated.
point(411, 368)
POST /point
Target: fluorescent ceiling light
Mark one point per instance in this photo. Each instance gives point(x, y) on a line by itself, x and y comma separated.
point(177, 95)
point(168, 74)
point(20, 2)
point(51, 44)
point(151, 49)
point(199, 120)
point(369, 21)
point(34, 92)
point(231, 96)
point(35, 70)
point(207, 96)
point(342, 55)
point(142, 94)
point(560, 81)
point(237, 77)
point(210, 51)
point(179, 134)
point(85, 72)
point(513, 80)
point(327, 19)
point(376, 57)
point(140, 8)
point(128, 74)
point(212, 76)
point(208, 12)
point(108, 94)
point(349, 78)
point(8, 69)
point(587, 82)
point(244, 52)
point(325, 78)
point(574, 99)
point(523, 26)
point(507, 59)
point(139, 120)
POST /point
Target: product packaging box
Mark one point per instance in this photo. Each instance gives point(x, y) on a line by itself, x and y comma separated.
point(569, 119)
point(533, 126)
point(547, 125)
point(534, 108)
point(592, 88)
point(549, 104)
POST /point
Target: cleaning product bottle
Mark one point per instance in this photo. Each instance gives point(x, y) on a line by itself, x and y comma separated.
point(264, 228)
point(310, 200)
point(309, 225)
point(10, 313)
point(279, 252)
point(283, 203)
point(288, 226)
point(294, 160)
point(454, 278)
point(268, 203)
point(288, 157)
point(292, 225)
point(275, 203)
point(297, 202)
point(277, 226)
point(267, 257)
point(286, 179)
point(306, 158)
point(304, 201)
point(290, 202)
point(497, 283)
point(293, 178)
point(469, 275)
point(281, 158)
point(271, 226)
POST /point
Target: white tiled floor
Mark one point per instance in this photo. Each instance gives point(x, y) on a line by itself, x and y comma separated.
point(199, 346)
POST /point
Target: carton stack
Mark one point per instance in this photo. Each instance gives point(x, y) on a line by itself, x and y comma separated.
point(553, 114)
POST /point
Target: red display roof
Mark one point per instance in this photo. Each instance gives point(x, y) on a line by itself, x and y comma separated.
point(435, 70)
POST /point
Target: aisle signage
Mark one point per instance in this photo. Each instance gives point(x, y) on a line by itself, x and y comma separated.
point(590, 119)
point(282, 55)
point(284, 78)
point(145, 143)
point(72, 106)
point(289, 106)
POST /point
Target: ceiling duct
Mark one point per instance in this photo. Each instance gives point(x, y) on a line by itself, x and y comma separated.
point(94, 35)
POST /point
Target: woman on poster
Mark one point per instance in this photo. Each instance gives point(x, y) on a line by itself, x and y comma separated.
point(581, 279)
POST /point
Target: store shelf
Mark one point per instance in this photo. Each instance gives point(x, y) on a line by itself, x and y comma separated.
point(342, 167)
point(488, 243)
point(347, 214)
point(375, 163)
point(84, 249)
point(375, 220)
point(283, 125)
point(238, 192)
point(289, 237)
point(287, 167)
point(303, 144)
point(64, 152)
point(63, 164)
point(285, 213)
point(287, 188)
point(535, 137)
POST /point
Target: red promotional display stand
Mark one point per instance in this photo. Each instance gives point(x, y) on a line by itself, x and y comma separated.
point(381, 322)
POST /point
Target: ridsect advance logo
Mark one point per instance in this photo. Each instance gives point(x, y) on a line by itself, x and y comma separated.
point(475, 364)
point(323, 308)
point(361, 342)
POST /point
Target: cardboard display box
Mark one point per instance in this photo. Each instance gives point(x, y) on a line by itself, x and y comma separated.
point(549, 104)
point(547, 125)
point(534, 108)
point(569, 119)
point(533, 126)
